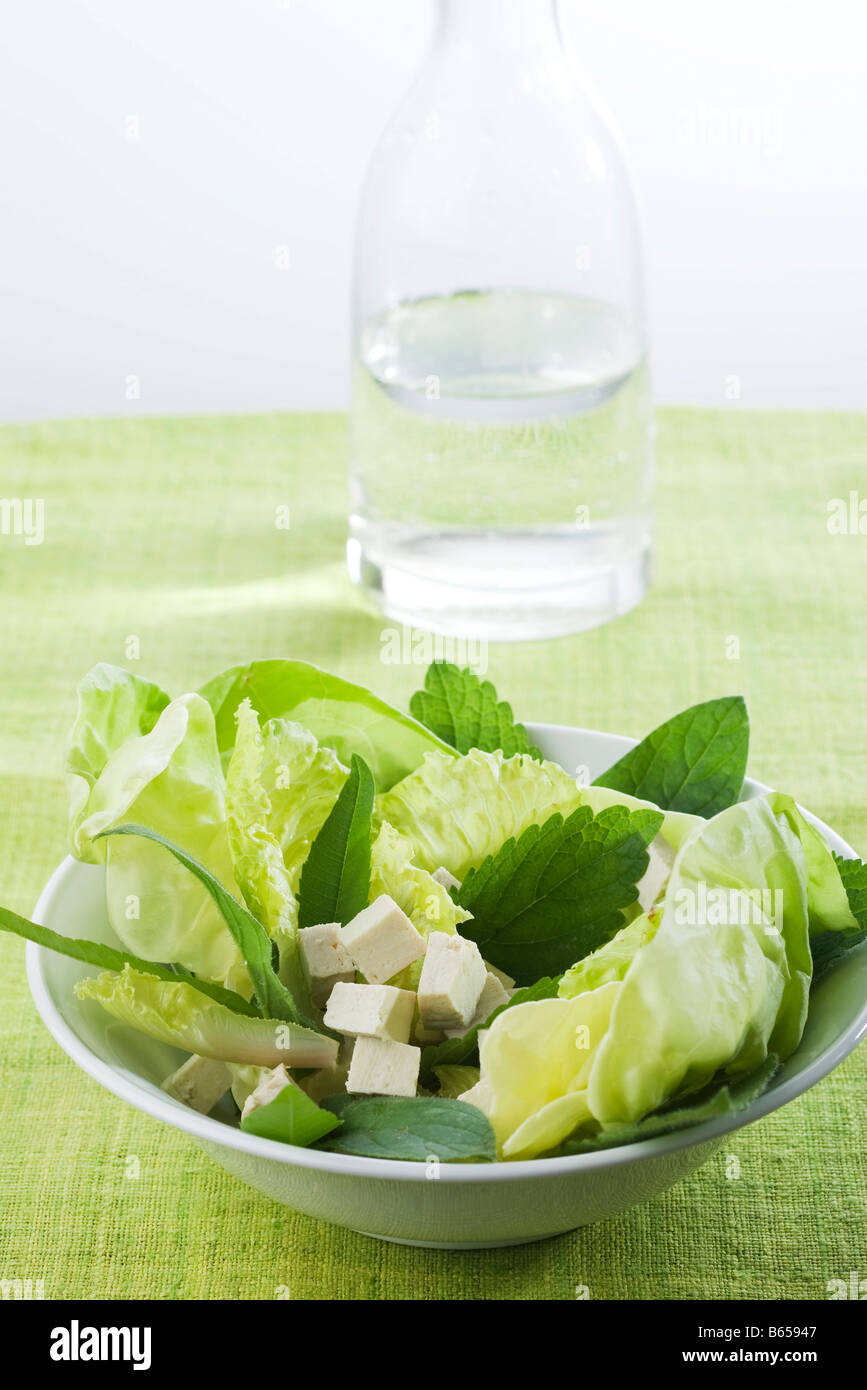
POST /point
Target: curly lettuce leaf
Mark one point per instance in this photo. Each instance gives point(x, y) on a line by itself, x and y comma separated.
point(280, 789)
point(457, 811)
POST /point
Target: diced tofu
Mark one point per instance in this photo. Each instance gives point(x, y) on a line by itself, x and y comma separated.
point(382, 1067)
point(329, 1081)
point(374, 1011)
point(381, 940)
point(199, 1083)
point(493, 995)
point(505, 980)
point(269, 1087)
point(452, 980)
point(326, 960)
point(479, 1096)
point(446, 879)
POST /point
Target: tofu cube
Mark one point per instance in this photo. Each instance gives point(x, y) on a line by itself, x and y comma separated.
point(326, 960)
point(479, 1096)
point(199, 1083)
point(381, 940)
point(452, 980)
point(445, 879)
point(383, 1067)
point(505, 980)
point(269, 1087)
point(493, 995)
point(371, 1011)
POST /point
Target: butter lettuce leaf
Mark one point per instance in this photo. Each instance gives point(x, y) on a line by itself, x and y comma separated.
point(113, 706)
point(457, 811)
point(168, 780)
point(453, 1052)
point(536, 1060)
point(610, 961)
point(725, 979)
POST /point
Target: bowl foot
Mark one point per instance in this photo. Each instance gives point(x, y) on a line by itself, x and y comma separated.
point(463, 1244)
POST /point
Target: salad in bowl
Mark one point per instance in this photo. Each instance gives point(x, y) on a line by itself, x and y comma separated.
point(412, 937)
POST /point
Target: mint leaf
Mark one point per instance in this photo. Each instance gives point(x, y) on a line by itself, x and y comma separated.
point(454, 1052)
point(549, 898)
point(718, 1098)
point(250, 936)
point(335, 879)
point(290, 1118)
point(694, 762)
point(465, 712)
point(412, 1127)
point(827, 947)
point(109, 958)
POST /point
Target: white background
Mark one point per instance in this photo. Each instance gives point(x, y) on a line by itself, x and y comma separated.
point(157, 153)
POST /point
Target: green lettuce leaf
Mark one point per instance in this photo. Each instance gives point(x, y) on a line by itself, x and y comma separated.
point(177, 1013)
point(454, 1081)
point(455, 1052)
point(457, 811)
point(168, 780)
point(335, 877)
point(280, 789)
point(113, 706)
point(559, 891)
point(611, 961)
point(250, 936)
point(694, 762)
point(344, 717)
point(109, 958)
point(719, 1098)
point(464, 712)
point(536, 1060)
point(725, 979)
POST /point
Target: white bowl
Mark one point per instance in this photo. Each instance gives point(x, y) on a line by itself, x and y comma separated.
point(466, 1205)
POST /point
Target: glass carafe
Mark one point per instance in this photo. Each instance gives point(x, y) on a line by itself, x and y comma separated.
point(501, 427)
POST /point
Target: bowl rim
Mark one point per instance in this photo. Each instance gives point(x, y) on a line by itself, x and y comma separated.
point(214, 1132)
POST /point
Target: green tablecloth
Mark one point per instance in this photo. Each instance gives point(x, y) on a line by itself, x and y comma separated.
point(164, 531)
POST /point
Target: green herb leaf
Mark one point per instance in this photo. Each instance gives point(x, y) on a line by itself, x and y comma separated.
point(415, 1127)
point(465, 712)
point(694, 762)
point(726, 1098)
point(827, 947)
point(549, 898)
point(335, 879)
point(250, 936)
point(109, 958)
point(853, 874)
point(455, 1052)
point(290, 1118)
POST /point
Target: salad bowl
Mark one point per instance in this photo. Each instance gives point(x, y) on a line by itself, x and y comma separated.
point(448, 1205)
